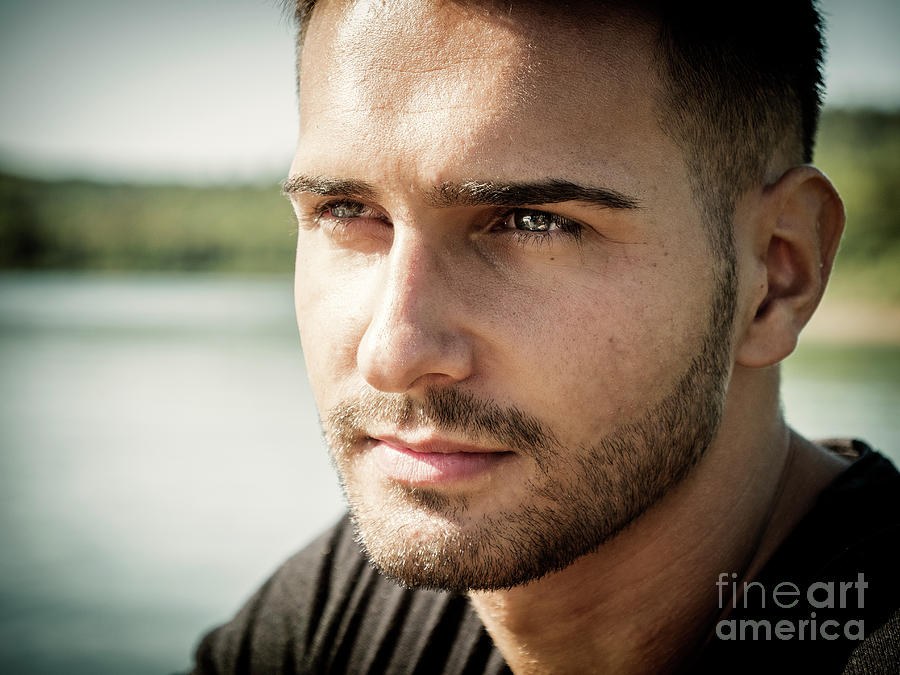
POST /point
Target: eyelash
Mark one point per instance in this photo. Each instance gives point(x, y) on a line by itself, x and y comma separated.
point(565, 226)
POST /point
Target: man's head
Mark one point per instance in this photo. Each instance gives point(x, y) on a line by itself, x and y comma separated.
point(519, 290)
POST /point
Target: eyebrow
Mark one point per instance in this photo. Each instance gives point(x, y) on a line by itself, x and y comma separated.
point(472, 193)
point(488, 193)
point(328, 187)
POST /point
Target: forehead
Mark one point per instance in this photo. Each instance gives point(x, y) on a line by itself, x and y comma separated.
point(497, 85)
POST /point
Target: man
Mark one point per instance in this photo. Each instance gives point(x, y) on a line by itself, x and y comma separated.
point(549, 258)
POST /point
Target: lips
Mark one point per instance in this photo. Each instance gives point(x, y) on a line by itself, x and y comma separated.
point(434, 461)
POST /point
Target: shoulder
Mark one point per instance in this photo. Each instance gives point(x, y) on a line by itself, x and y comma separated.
point(327, 610)
point(854, 526)
point(829, 597)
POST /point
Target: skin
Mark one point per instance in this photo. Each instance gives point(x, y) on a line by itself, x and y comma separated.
point(399, 295)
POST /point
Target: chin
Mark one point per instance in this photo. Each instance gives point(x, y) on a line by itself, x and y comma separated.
point(426, 539)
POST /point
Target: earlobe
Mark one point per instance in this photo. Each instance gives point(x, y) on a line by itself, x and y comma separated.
point(798, 230)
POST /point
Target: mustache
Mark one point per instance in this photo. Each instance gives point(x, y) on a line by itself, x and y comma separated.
point(444, 409)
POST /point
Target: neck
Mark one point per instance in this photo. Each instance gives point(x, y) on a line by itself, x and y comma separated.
point(646, 600)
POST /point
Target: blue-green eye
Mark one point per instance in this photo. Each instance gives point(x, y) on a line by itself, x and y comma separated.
point(350, 210)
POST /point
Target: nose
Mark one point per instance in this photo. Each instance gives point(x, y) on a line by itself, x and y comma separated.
point(416, 335)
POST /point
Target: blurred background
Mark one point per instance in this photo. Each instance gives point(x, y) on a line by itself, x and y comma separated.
point(159, 449)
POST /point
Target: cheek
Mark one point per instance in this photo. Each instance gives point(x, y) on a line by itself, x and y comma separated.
point(602, 353)
point(330, 319)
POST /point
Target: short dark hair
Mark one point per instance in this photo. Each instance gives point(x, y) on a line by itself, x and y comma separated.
point(742, 84)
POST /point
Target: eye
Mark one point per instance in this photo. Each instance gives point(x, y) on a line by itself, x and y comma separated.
point(345, 210)
point(540, 223)
point(352, 224)
point(531, 221)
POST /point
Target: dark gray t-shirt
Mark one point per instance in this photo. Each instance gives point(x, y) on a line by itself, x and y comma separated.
point(326, 610)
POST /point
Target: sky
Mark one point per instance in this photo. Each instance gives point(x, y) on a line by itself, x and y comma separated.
point(203, 90)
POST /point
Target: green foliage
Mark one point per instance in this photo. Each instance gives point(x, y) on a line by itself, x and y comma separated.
point(860, 152)
point(85, 225)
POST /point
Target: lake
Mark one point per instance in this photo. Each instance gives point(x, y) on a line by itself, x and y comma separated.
point(161, 456)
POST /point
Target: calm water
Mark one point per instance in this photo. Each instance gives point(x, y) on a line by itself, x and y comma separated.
point(161, 455)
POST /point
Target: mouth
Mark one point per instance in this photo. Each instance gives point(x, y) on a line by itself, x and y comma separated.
point(434, 461)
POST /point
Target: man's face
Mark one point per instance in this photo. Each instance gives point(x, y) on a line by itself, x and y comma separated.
point(503, 285)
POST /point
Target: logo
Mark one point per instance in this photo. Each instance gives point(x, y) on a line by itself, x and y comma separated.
point(820, 595)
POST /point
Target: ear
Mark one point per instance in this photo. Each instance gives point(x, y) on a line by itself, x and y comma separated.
point(796, 237)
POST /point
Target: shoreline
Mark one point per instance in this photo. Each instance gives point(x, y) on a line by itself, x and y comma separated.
point(843, 321)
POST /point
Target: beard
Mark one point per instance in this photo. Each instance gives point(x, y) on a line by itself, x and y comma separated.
point(578, 498)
